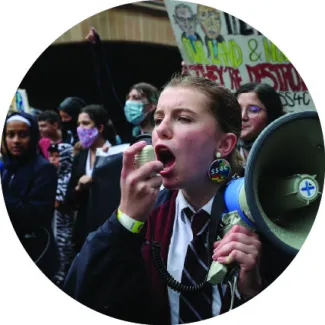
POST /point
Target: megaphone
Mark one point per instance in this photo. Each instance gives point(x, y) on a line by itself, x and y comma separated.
point(280, 193)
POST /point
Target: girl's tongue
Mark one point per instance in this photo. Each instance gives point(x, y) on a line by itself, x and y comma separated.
point(166, 157)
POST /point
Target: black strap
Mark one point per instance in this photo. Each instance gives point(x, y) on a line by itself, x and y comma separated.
point(218, 207)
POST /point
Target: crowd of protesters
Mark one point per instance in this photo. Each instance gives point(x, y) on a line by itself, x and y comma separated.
point(70, 219)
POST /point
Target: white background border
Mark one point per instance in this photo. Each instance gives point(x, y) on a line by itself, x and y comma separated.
point(28, 27)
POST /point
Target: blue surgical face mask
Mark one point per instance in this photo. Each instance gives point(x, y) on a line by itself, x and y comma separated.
point(134, 112)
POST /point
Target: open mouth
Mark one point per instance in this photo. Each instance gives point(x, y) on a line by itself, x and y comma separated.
point(165, 155)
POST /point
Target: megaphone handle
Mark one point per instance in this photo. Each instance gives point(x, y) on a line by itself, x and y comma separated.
point(222, 273)
point(217, 273)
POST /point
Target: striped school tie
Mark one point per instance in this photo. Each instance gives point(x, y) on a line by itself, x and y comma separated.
point(196, 306)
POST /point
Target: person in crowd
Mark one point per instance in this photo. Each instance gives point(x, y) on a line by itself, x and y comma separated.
point(49, 128)
point(140, 106)
point(138, 110)
point(140, 102)
point(260, 105)
point(94, 131)
point(105, 193)
point(69, 110)
point(61, 156)
point(29, 184)
point(118, 271)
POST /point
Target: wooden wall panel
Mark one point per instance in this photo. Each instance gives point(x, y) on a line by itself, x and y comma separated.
point(125, 23)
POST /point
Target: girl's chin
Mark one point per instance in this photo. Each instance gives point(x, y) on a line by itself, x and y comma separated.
point(245, 136)
point(171, 184)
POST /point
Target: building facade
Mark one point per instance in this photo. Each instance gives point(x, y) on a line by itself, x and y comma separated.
point(137, 22)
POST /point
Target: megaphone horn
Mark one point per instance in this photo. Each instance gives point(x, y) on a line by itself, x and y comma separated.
point(280, 193)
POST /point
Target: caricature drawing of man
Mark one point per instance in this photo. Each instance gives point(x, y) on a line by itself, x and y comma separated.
point(210, 22)
point(191, 40)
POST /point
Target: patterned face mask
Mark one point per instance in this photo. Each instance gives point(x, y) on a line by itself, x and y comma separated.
point(87, 136)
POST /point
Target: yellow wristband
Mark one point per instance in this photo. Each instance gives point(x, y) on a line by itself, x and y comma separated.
point(130, 224)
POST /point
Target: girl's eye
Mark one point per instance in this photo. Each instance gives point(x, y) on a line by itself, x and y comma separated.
point(254, 109)
point(23, 134)
point(157, 121)
point(184, 119)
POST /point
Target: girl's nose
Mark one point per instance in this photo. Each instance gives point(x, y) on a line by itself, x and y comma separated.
point(164, 129)
point(244, 114)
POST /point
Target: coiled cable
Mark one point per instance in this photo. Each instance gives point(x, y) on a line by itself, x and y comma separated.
point(168, 278)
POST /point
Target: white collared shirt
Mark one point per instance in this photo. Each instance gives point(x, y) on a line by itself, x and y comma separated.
point(182, 236)
point(89, 170)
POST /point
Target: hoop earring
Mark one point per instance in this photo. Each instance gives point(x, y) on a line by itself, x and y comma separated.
point(219, 169)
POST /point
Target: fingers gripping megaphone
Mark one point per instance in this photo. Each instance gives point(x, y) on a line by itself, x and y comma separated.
point(281, 190)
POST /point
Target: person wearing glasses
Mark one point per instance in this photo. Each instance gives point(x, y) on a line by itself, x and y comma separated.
point(260, 105)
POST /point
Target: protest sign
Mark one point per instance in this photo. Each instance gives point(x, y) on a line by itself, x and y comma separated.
point(223, 48)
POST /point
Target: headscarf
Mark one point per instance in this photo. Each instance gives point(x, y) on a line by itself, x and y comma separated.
point(72, 106)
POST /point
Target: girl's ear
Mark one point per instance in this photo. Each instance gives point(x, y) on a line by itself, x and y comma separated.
point(101, 128)
point(227, 144)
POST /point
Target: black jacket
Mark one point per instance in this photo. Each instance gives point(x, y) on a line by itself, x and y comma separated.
point(115, 273)
point(29, 189)
point(78, 200)
point(109, 274)
point(105, 192)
